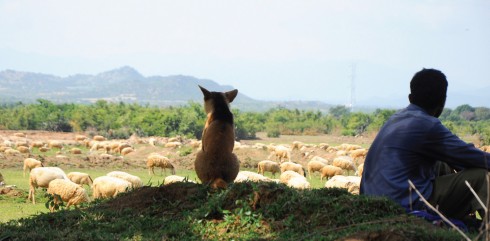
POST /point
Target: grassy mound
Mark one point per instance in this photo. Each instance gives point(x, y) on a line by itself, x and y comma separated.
point(245, 211)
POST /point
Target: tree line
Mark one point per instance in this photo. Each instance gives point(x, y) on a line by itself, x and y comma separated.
point(121, 120)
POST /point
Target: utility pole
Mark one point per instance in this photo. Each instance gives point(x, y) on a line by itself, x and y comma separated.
point(352, 87)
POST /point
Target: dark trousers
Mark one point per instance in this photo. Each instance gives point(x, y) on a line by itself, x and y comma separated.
point(453, 198)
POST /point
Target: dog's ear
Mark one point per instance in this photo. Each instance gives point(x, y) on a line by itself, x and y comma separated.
point(230, 95)
point(206, 92)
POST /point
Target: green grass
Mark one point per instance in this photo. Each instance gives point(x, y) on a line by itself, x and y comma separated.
point(19, 207)
point(244, 211)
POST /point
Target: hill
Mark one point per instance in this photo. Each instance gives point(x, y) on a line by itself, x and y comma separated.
point(126, 84)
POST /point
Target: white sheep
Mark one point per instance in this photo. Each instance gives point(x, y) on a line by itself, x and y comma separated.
point(55, 144)
point(299, 183)
point(37, 144)
point(351, 183)
point(280, 152)
point(11, 152)
point(75, 150)
point(297, 145)
point(126, 150)
point(294, 180)
point(68, 191)
point(24, 149)
point(173, 144)
point(80, 178)
point(314, 166)
point(41, 176)
point(329, 171)
point(345, 163)
point(320, 159)
point(157, 160)
point(31, 163)
point(268, 166)
point(80, 138)
point(134, 180)
point(104, 187)
point(360, 169)
point(358, 153)
point(244, 176)
point(291, 166)
point(174, 178)
point(99, 138)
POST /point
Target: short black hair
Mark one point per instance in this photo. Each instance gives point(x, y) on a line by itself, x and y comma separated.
point(428, 88)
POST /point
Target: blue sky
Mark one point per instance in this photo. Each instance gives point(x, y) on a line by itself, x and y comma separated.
point(269, 50)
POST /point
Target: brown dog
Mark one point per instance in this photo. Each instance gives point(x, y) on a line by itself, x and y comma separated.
point(215, 163)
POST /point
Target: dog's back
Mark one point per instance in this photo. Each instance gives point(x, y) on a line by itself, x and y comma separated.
point(215, 163)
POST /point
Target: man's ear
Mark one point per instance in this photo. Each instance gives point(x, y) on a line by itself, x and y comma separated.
point(230, 95)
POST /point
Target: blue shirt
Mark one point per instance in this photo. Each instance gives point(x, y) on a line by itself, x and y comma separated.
point(406, 148)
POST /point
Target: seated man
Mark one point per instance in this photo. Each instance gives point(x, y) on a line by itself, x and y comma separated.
point(412, 144)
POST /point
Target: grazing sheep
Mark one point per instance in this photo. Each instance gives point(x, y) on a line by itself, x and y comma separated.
point(320, 159)
point(23, 149)
point(126, 151)
point(268, 166)
point(75, 150)
point(351, 183)
point(55, 144)
point(329, 171)
point(314, 166)
point(195, 144)
point(152, 141)
point(80, 138)
point(358, 153)
point(297, 145)
point(44, 149)
point(291, 166)
point(287, 175)
point(41, 176)
point(99, 138)
point(294, 180)
point(37, 144)
point(345, 163)
point(299, 183)
point(80, 178)
point(244, 176)
point(121, 146)
point(157, 160)
point(19, 134)
point(280, 152)
point(11, 152)
point(174, 178)
point(134, 180)
point(216, 164)
point(68, 191)
point(173, 144)
point(485, 148)
point(360, 168)
point(21, 143)
point(323, 146)
point(175, 139)
point(104, 187)
point(31, 163)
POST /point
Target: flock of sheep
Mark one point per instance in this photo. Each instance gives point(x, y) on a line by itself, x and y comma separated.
point(342, 160)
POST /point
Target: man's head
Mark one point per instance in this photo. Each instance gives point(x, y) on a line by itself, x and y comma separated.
point(428, 90)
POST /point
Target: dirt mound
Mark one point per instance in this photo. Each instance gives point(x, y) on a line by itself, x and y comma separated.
point(170, 198)
point(11, 192)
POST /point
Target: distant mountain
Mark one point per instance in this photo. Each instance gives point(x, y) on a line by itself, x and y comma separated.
point(126, 84)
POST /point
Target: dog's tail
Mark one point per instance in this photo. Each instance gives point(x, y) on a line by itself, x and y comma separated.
point(219, 183)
